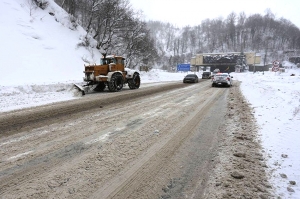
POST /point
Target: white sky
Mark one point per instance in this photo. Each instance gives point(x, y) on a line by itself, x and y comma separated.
point(192, 12)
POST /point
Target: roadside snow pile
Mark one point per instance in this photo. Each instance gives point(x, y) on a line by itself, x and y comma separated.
point(28, 95)
point(157, 75)
point(289, 65)
point(275, 98)
point(18, 97)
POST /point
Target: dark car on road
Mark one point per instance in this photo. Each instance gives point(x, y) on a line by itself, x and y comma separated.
point(191, 78)
point(206, 75)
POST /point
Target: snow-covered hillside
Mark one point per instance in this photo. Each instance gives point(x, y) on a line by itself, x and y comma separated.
point(40, 46)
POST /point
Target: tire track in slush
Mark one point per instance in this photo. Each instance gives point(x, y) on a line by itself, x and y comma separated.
point(145, 168)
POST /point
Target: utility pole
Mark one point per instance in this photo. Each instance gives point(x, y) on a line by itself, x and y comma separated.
point(266, 49)
point(254, 62)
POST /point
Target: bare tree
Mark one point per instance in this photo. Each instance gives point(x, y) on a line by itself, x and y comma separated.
point(31, 5)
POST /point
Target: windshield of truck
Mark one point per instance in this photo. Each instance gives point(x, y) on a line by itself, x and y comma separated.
point(105, 61)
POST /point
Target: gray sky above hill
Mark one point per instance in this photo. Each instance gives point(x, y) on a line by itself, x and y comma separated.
point(192, 12)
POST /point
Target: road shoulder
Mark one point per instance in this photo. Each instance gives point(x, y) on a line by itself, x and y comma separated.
point(240, 170)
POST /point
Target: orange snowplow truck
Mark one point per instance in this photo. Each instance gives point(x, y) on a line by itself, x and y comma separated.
point(110, 73)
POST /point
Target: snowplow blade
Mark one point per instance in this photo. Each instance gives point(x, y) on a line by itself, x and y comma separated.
point(80, 88)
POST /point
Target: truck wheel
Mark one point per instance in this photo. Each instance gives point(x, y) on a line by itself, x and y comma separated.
point(116, 82)
point(135, 82)
point(100, 87)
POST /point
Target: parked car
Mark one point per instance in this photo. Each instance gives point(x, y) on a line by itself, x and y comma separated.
point(206, 75)
point(222, 79)
point(191, 78)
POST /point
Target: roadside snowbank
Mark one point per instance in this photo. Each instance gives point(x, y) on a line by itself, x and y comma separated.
point(275, 98)
point(28, 95)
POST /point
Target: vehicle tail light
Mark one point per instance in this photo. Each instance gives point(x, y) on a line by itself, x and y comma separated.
point(228, 78)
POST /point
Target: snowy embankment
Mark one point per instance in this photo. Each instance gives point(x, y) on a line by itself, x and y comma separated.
point(40, 46)
point(18, 97)
point(29, 95)
point(275, 98)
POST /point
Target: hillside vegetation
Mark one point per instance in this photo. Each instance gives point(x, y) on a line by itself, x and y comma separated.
point(117, 28)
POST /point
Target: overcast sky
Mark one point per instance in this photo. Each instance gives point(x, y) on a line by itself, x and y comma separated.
point(192, 12)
